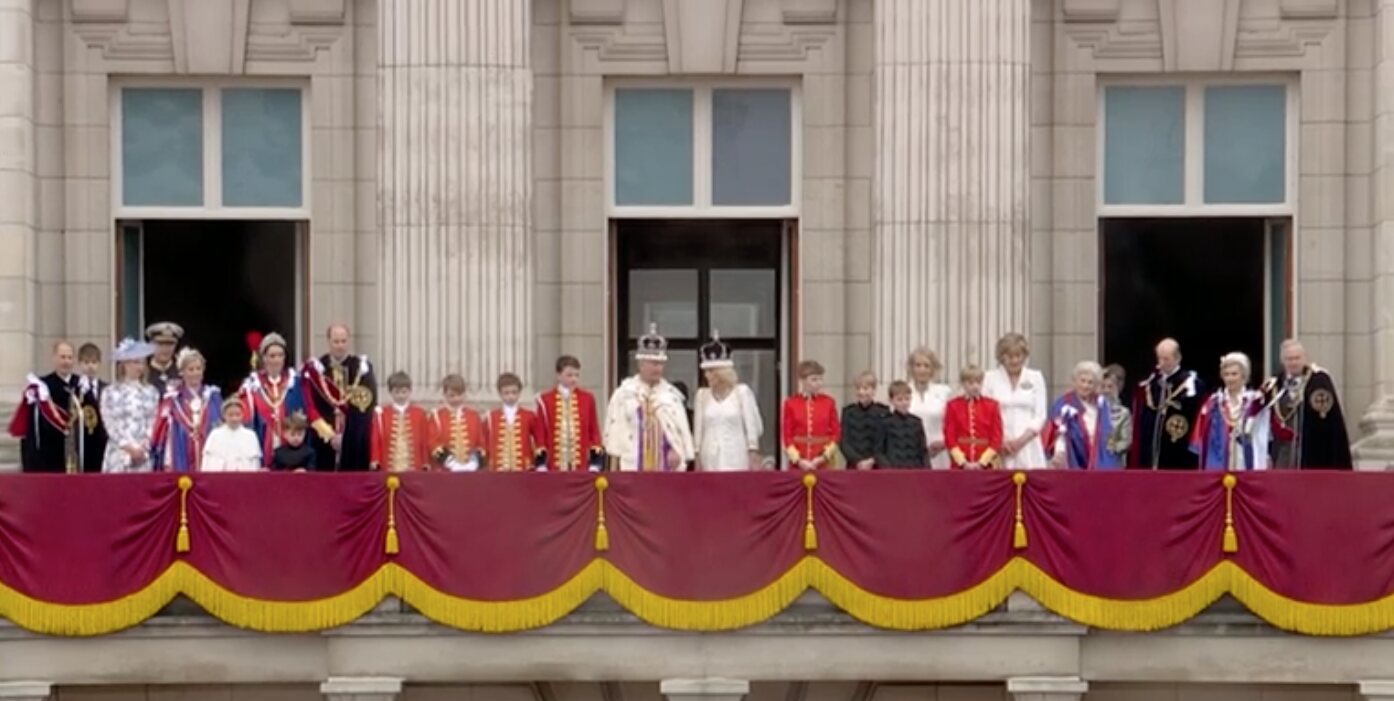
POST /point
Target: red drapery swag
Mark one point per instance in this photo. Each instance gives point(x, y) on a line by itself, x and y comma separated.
point(908, 550)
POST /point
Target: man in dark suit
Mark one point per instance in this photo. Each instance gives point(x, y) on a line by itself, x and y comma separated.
point(49, 417)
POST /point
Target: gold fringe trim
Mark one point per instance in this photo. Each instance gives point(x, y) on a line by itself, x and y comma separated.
point(1019, 528)
point(723, 614)
point(392, 547)
point(810, 533)
point(181, 540)
point(602, 536)
point(1230, 542)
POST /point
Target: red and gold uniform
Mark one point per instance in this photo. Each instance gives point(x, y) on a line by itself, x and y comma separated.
point(569, 429)
point(809, 428)
point(456, 433)
point(513, 443)
point(400, 439)
point(973, 431)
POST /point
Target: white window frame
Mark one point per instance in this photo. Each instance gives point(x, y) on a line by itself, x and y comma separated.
point(702, 207)
point(212, 207)
point(1193, 203)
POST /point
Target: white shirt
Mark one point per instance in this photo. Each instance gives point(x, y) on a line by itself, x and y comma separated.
point(727, 429)
point(231, 450)
point(1024, 408)
point(929, 406)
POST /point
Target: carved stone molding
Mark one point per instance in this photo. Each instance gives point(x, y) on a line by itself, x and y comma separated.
point(597, 11)
point(1309, 9)
point(317, 11)
point(808, 11)
point(784, 43)
point(703, 35)
point(1090, 10)
point(99, 10)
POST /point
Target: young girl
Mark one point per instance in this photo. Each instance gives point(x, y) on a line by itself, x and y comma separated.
point(232, 447)
point(187, 414)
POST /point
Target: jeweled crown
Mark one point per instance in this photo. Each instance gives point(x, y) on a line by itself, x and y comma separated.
point(652, 346)
point(715, 354)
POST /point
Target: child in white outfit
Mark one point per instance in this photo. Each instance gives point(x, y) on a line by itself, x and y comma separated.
point(232, 447)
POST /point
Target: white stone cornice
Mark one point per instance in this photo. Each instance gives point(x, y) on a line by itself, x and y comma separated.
point(1046, 688)
point(26, 691)
point(704, 689)
point(361, 688)
point(1377, 690)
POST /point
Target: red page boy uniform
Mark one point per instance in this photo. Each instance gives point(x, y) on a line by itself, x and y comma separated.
point(457, 438)
point(809, 429)
point(513, 440)
point(973, 431)
point(399, 439)
point(567, 423)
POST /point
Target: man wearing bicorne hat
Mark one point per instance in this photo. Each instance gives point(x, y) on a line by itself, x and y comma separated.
point(646, 427)
point(165, 336)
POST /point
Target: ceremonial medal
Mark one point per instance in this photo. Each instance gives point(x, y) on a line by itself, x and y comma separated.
point(359, 397)
point(1322, 402)
point(1177, 427)
point(91, 418)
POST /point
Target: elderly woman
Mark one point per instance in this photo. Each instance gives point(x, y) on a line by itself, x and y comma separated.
point(128, 409)
point(1232, 430)
point(1077, 434)
point(725, 420)
point(1021, 393)
point(187, 414)
point(928, 398)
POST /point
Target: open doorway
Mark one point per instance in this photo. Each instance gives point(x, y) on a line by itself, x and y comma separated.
point(217, 279)
point(1214, 284)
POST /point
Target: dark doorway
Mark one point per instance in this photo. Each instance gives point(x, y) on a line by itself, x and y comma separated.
point(1215, 284)
point(693, 277)
point(217, 279)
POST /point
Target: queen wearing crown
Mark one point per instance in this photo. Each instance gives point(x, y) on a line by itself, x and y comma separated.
point(726, 418)
point(646, 422)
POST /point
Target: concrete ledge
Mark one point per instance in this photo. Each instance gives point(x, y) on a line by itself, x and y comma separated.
point(32, 691)
point(354, 686)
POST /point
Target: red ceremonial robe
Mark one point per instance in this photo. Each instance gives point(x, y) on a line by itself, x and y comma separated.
point(569, 430)
point(400, 439)
point(514, 445)
point(809, 428)
point(973, 431)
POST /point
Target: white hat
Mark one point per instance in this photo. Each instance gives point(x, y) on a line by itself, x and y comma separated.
point(130, 349)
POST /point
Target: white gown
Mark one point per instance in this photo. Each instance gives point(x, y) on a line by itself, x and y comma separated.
point(229, 450)
point(727, 429)
point(929, 406)
point(1023, 407)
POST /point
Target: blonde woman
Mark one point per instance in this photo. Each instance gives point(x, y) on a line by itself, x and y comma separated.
point(128, 409)
point(1021, 392)
point(928, 398)
point(726, 419)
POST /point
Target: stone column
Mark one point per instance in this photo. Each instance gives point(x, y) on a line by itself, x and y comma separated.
point(704, 689)
point(18, 196)
point(1376, 450)
point(950, 241)
point(1047, 688)
point(455, 189)
point(361, 688)
point(26, 691)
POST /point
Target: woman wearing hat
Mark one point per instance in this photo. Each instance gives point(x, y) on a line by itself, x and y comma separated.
point(270, 394)
point(726, 419)
point(128, 409)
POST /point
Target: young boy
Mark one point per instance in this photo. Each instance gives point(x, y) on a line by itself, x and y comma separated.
point(809, 429)
point(232, 447)
point(293, 454)
point(94, 438)
point(973, 424)
point(902, 433)
point(513, 431)
point(457, 433)
point(862, 421)
point(567, 423)
point(400, 433)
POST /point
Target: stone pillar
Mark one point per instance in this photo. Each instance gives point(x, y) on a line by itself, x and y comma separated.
point(26, 691)
point(455, 189)
point(1376, 450)
point(950, 241)
point(18, 196)
point(704, 689)
point(1047, 688)
point(361, 688)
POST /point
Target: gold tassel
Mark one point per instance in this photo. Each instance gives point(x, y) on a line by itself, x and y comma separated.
point(181, 541)
point(1231, 539)
point(810, 534)
point(602, 536)
point(1019, 532)
point(392, 546)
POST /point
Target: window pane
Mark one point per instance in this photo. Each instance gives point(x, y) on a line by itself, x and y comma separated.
point(161, 147)
point(758, 369)
point(1144, 145)
point(664, 297)
point(262, 139)
point(750, 147)
point(131, 326)
point(744, 303)
point(653, 147)
point(1245, 143)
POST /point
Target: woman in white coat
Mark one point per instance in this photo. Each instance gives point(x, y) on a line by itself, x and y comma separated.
point(928, 399)
point(1021, 393)
point(726, 418)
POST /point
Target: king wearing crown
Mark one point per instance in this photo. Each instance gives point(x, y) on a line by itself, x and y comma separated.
point(646, 425)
